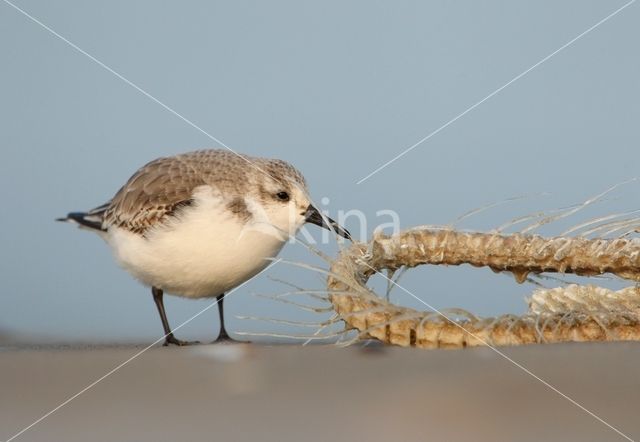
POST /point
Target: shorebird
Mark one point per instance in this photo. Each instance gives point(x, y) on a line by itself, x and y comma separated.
point(200, 223)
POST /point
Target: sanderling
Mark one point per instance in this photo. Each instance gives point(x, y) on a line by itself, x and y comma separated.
point(200, 223)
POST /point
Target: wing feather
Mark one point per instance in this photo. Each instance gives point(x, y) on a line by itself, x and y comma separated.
point(156, 191)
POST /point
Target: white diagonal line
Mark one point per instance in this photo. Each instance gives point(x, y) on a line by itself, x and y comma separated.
point(522, 74)
point(118, 367)
point(133, 85)
point(520, 366)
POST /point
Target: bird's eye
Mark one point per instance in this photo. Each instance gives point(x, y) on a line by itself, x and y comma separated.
point(282, 196)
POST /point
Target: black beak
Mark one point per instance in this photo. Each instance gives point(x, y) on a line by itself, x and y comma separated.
point(313, 216)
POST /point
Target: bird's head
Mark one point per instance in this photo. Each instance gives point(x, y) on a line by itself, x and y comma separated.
point(284, 198)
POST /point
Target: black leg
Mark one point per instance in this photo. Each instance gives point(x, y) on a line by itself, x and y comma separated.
point(223, 336)
point(168, 338)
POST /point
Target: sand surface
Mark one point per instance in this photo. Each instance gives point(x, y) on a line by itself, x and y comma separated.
point(291, 393)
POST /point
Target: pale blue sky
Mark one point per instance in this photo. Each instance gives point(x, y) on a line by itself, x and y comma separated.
point(336, 88)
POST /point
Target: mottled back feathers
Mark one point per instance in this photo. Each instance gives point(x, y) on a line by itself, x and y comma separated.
point(164, 187)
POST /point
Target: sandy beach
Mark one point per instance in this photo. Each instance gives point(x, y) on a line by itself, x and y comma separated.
point(248, 392)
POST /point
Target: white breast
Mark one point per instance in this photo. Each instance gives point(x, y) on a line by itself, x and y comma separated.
point(203, 253)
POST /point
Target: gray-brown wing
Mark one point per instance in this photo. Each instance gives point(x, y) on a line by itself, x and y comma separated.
point(156, 191)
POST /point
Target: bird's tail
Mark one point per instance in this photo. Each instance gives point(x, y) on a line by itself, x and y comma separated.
point(90, 220)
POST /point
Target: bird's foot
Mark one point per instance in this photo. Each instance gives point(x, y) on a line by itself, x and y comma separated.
point(170, 339)
point(224, 338)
